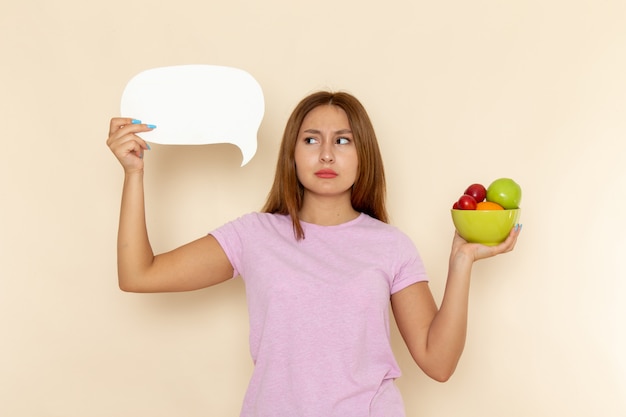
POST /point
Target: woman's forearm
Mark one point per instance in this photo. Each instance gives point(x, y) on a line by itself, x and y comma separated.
point(134, 253)
point(447, 334)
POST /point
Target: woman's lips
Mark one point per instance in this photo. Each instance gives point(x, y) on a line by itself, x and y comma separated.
point(326, 173)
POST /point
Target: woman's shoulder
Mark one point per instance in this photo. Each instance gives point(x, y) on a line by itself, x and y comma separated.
point(254, 226)
point(260, 220)
point(384, 231)
point(374, 223)
point(257, 216)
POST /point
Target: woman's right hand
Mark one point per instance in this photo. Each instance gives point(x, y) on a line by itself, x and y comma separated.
point(123, 141)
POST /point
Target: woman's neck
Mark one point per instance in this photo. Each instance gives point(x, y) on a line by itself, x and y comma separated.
point(326, 211)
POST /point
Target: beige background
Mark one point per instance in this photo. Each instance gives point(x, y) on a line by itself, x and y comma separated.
point(460, 92)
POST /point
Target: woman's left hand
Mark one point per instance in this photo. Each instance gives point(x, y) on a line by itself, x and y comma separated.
point(476, 251)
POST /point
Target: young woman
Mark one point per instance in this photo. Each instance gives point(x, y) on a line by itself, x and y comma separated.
point(321, 266)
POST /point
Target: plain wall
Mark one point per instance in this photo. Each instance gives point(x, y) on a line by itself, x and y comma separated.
point(459, 92)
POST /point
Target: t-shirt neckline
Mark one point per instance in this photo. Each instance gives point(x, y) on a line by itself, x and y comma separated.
point(334, 226)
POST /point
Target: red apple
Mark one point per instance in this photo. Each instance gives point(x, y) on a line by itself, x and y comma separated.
point(478, 191)
point(466, 202)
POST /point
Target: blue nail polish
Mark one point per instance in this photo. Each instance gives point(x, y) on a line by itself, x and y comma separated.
point(136, 122)
point(151, 126)
point(148, 146)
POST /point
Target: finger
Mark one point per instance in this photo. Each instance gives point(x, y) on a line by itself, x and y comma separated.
point(509, 244)
point(125, 128)
point(119, 122)
point(132, 149)
point(115, 142)
point(129, 143)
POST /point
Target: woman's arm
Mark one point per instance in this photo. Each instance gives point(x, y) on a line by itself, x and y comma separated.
point(196, 265)
point(436, 337)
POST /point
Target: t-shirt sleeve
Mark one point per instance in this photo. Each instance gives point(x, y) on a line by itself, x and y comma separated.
point(409, 266)
point(231, 241)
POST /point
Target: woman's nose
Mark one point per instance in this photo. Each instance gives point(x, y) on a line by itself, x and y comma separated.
point(327, 154)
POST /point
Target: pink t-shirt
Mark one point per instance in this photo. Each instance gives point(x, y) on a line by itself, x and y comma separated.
point(319, 314)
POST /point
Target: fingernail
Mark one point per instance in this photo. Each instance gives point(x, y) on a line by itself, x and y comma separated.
point(136, 122)
point(151, 126)
point(148, 146)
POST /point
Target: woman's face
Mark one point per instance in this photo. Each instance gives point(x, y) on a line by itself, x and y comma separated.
point(325, 154)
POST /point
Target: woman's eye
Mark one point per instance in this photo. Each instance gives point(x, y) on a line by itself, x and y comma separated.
point(343, 141)
point(309, 140)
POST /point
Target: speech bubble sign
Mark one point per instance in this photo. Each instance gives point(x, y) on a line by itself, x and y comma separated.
point(197, 105)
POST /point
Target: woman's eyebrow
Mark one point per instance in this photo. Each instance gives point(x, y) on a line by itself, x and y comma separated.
point(338, 132)
point(343, 131)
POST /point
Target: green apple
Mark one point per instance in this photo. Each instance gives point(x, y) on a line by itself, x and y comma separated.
point(505, 192)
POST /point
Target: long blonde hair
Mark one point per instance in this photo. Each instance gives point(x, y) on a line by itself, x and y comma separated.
point(369, 189)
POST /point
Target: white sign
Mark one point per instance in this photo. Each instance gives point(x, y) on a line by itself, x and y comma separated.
point(197, 105)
